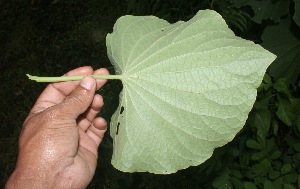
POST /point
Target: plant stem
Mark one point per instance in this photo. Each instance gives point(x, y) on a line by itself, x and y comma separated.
point(71, 78)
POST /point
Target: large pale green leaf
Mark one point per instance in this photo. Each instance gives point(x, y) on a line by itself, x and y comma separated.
point(187, 89)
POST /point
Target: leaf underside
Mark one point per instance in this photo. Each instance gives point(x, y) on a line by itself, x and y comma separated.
point(187, 89)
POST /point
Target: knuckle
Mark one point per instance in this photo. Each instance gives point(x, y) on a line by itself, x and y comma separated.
point(76, 98)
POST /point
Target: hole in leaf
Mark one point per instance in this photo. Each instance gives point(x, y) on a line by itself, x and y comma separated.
point(122, 110)
point(118, 128)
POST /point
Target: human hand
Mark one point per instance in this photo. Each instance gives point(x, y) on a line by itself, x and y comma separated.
point(58, 145)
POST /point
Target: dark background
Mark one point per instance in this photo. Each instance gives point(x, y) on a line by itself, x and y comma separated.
point(49, 38)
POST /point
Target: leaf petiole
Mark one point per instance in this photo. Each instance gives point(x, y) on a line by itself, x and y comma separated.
point(71, 78)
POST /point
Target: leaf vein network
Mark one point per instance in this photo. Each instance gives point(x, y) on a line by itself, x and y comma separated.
point(170, 124)
point(188, 54)
point(167, 46)
point(202, 92)
point(154, 43)
point(182, 55)
point(137, 42)
point(123, 33)
point(186, 110)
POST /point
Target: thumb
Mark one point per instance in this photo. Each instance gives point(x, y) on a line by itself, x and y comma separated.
point(80, 99)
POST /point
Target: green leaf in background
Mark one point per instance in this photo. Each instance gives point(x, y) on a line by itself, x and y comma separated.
point(222, 181)
point(266, 84)
point(274, 174)
point(260, 119)
point(286, 48)
point(288, 186)
point(262, 168)
point(285, 112)
point(237, 183)
point(268, 185)
point(187, 89)
point(275, 155)
point(249, 185)
point(233, 16)
point(281, 86)
point(286, 168)
point(266, 9)
point(254, 144)
point(297, 12)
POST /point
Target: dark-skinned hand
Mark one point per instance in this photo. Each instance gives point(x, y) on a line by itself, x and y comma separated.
point(58, 145)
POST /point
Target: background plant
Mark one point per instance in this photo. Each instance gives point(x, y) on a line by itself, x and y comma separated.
point(51, 37)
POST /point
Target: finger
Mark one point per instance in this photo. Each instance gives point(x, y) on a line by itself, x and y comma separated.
point(86, 143)
point(87, 117)
point(55, 93)
point(68, 86)
point(101, 71)
point(97, 130)
point(79, 100)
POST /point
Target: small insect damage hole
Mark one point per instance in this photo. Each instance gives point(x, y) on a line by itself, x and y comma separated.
point(118, 128)
point(122, 110)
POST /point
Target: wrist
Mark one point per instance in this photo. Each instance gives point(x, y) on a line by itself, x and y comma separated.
point(27, 179)
point(31, 178)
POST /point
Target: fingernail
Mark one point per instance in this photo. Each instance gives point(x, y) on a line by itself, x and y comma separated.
point(88, 83)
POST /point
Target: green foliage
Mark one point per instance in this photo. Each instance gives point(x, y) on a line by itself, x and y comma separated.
point(172, 10)
point(267, 9)
point(238, 19)
point(269, 158)
point(282, 39)
point(287, 49)
point(49, 39)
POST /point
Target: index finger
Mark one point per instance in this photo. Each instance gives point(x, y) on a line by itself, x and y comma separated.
point(55, 93)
